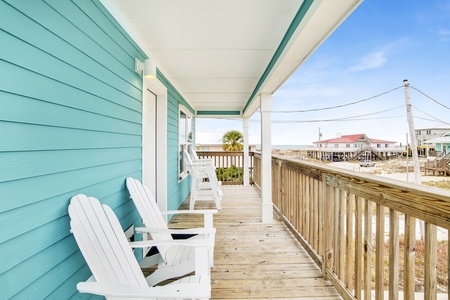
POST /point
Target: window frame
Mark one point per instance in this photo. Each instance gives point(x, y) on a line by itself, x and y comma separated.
point(184, 139)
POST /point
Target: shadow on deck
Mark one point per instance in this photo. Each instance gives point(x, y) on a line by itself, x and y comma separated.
point(255, 260)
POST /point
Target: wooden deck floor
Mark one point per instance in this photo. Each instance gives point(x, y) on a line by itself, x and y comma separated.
point(255, 260)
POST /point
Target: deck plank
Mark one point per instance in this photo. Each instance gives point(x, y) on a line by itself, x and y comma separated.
point(255, 260)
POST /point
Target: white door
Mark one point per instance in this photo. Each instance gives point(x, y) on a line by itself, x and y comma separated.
point(149, 142)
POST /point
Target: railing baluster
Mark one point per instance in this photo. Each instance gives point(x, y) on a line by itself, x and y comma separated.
point(368, 246)
point(297, 198)
point(306, 214)
point(348, 266)
point(430, 261)
point(328, 196)
point(410, 255)
point(303, 205)
point(320, 219)
point(336, 227)
point(316, 214)
point(393, 254)
point(342, 244)
point(379, 254)
point(311, 210)
point(358, 247)
point(294, 186)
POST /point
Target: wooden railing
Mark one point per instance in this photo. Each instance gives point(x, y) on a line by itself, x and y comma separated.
point(361, 229)
point(229, 165)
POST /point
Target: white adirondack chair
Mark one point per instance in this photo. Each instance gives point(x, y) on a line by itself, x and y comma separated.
point(172, 260)
point(200, 188)
point(195, 158)
point(116, 272)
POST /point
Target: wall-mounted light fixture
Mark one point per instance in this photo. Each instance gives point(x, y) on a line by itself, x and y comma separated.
point(148, 67)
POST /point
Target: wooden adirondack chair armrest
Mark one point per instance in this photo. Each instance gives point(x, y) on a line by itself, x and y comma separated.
point(202, 251)
point(176, 231)
point(201, 164)
point(180, 290)
point(208, 161)
point(189, 243)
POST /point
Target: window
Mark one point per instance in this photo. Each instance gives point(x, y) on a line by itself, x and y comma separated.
point(184, 139)
point(347, 145)
point(428, 131)
point(418, 132)
point(378, 145)
point(336, 145)
point(386, 145)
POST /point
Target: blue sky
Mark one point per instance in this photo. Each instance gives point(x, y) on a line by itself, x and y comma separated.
point(382, 43)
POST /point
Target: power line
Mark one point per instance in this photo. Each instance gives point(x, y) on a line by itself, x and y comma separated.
point(435, 119)
point(335, 120)
point(437, 102)
point(338, 106)
point(432, 120)
point(428, 114)
point(350, 118)
point(357, 117)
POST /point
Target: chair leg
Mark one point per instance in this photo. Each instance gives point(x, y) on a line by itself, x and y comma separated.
point(218, 204)
point(193, 195)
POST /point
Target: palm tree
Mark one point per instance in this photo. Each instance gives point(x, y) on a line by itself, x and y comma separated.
point(232, 141)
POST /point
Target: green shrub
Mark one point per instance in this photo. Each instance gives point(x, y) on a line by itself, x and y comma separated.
point(232, 173)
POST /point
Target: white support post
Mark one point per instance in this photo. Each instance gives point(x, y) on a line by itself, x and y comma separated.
point(266, 158)
point(246, 160)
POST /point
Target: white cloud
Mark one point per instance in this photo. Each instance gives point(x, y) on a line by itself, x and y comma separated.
point(372, 60)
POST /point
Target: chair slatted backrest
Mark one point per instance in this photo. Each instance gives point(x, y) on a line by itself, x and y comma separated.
point(193, 154)
point(198, 171)
point(149, 211)
point(188, 162)
point(103, 243)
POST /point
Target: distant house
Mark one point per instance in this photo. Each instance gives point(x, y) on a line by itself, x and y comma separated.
point(425, 134)
point(441, 144)
point(354, 146)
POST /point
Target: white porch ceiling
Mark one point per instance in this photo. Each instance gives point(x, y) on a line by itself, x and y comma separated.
point(221, 54)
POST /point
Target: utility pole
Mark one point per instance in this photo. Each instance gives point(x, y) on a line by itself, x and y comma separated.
point(320, 146)
point(407, 159)
point(412, 134)
point(415, 155)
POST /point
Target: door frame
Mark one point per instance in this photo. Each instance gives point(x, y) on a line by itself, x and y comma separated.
point(157, 88)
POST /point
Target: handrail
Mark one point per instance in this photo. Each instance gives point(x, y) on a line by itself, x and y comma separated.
point(343, 217)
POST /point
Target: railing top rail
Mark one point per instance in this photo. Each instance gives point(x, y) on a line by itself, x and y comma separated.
point(427, 203)
point(221, 153)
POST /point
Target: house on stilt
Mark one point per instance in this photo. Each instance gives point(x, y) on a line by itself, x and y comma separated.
point(353, 147)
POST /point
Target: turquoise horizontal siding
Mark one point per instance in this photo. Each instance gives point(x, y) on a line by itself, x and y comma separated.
point(70, 122)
